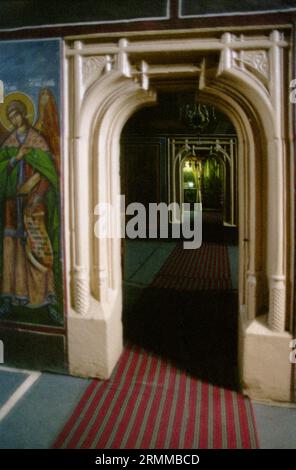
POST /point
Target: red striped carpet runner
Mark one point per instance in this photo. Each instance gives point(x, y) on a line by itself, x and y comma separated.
point(150, 404)
point(206, 268)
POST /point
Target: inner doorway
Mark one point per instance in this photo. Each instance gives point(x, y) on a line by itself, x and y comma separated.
point(182, 304)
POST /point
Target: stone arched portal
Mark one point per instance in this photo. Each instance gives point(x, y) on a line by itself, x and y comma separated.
point(246, 77)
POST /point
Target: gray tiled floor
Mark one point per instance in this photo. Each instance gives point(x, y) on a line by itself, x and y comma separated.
point(143, 259)
point(276, 426)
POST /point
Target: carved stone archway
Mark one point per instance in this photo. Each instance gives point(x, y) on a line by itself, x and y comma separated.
point(243, 75)
point(179, 148)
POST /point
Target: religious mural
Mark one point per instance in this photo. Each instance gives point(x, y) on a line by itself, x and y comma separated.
point(31, 268)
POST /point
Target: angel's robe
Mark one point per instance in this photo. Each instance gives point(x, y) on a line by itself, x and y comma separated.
point(25, 279)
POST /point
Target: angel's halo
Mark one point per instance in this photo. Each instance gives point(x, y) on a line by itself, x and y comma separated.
point(17, 96)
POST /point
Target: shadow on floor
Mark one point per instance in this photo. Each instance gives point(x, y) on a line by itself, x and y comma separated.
point(219, 233)
point(197, 331)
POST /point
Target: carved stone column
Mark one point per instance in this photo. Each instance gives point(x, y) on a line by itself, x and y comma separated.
point(81, 290)
point(252, 285)
point(277, 304)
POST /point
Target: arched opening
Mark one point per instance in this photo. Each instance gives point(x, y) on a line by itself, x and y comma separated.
point(182, 303)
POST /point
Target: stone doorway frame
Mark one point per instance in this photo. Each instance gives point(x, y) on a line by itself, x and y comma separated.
point(246, 76)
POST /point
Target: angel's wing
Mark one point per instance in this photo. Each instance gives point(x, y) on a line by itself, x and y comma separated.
point(48, 123)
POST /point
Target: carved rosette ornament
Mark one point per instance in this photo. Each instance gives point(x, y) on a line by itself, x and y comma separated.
point(257, 60)
point(92, 69)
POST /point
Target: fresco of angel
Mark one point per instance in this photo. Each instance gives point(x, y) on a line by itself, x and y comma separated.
point(29, 205)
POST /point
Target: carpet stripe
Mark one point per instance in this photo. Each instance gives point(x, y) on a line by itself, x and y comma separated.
point(121, 414)
point(217, 419)
point(205, 268)
point(74, 435)
point(236, 421)
point(183, 418)
point(223, 420)
point(104, 391)
point(171, 437)
point(251, 425)
point(103, 402)
point(243, 422)
point(189, 437)
point(117, 406)
point(151, 414)
point(210, 418)
point(165, 417)
point(203, 437)
point(148, 403)
point(121, 435)
point(231, 437)
point(75, 416)
point(158, 421)
point(140, 425)
point(197, 428)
